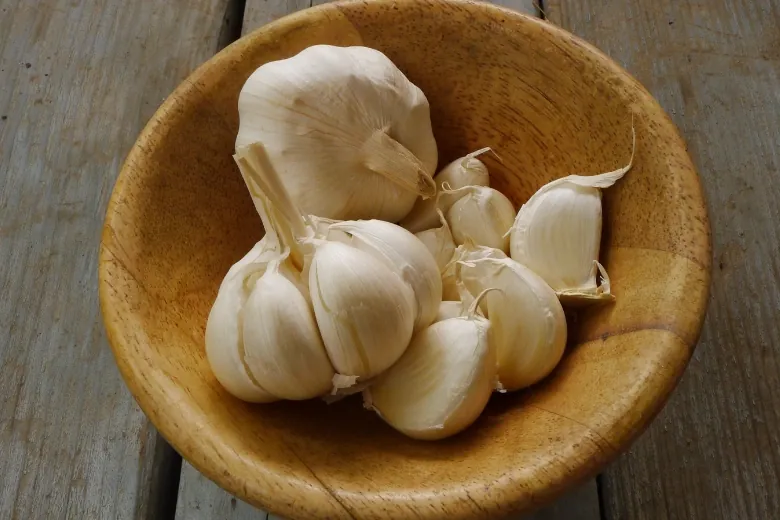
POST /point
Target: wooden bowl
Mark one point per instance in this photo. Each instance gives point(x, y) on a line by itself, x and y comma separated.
point(550, 105)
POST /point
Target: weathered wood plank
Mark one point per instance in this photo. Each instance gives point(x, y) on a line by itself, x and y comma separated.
point(201, 499)
point(77, 82)
point(715, 450)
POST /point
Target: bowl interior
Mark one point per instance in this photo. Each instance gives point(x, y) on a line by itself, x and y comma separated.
point(550, 106)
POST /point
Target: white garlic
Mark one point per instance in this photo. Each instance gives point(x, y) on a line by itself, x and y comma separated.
point(466, 252)
point(528, 323)
point(402, 252)
point(364, 310)
point(482, 215)
point(282, 346)
point(442, 382)
point(349, 134)
point(557, 234)
point(464, 171)
point(439, 242)
point(224, 347)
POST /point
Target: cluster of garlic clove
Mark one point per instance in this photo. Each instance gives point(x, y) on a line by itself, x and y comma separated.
point(426, 318)
point(317, 305)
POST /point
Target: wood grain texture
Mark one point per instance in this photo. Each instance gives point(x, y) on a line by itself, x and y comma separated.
point(714, 453)
point(260, 12)
point(201, 499)
point(180, 216)
point(77, 82)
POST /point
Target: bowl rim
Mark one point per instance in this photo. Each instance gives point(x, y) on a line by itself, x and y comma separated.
point(153, 401)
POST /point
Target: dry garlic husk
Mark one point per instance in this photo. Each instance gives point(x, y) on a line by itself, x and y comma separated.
point(465, 171)
point(557, 234)
point(528, 323)
point(402, 252)
point(466, 252)
point(442, 382)
point(483, 215)
point(349, 134)
point(453, 309)
point(365, 311)
point(439, 242)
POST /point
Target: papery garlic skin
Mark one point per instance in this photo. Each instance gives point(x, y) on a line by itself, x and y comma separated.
point(282, 346)
point(466, 252)
point(224, 348)
point(439, 242)
point(442, 382)
point(482, 215)
point(528, 323)
point(402, 252)
point(364, 310)
point(447, 310)
point(349, 134)
point(464, 171)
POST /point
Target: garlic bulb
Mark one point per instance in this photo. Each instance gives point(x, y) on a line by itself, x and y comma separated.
point(442, 382)
point(465, 171)
point(364, 310)
point(439, 242)
point(282, 346)
point(482, 215)
point(349, 134)
point(557, 234)
point(402, 252)
point(528, 323)
point(466, 252)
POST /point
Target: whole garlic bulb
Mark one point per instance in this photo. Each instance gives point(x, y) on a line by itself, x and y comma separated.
point(442, 382)
point(464, 171)
point(349, 134)
point(557, 234)
point(365, 311)
point(402, 252)
point(528, 323)
point(439, 242)
point(482, 215)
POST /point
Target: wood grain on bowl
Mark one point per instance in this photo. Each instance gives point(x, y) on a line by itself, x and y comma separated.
point(551, 105)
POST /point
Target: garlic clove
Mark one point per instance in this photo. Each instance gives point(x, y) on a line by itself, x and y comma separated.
point(402, 252)
point(224, 349)
point(447, 310)
point(527, 320)
point(442, 382)
point(282, 346)
point(466, 252)
point(464, 171)
point(439, 242)
point(364, 310)
point(482, 215)
point(350, 135)
point(557, 234)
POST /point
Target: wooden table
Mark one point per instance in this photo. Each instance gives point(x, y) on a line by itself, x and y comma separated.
point(79, 79)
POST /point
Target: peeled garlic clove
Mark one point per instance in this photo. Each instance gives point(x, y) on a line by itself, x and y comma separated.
point(482, 215)
point(282, 346)
point(402, 252)
point(465, 171)
point(224, 348)
point(349, 133)
point(528, 323)
point(364, 310)
point(439, 242)
point(466, 252)
point(442, 382)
